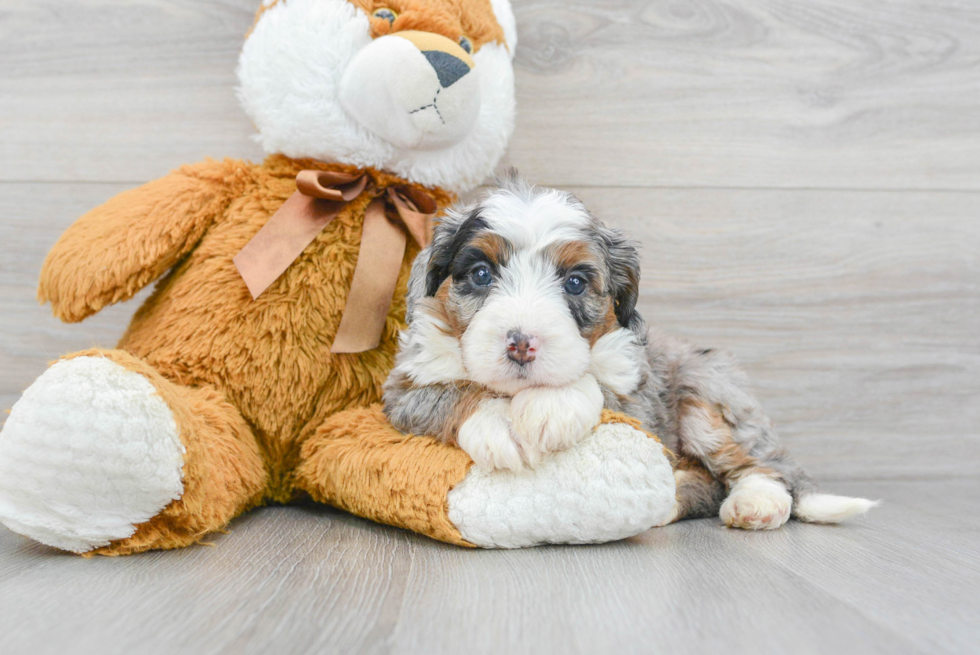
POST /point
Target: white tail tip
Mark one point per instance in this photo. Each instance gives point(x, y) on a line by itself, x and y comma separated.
point(825, 508)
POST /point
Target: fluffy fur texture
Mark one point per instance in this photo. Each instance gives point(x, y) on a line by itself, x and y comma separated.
point(213, 403)
point(616, 483)
point(80, 423)
point(247, 381)
point(522, 326)
point(292, 74)
point(201, 326)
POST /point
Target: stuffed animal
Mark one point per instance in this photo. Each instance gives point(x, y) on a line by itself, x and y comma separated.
point(251, 374)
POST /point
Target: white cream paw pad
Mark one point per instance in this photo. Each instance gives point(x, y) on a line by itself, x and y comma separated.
point(88, 452)
point(614, 484)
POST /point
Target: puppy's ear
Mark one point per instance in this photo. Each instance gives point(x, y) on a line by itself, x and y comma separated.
point(623, 262)
point(450, 236)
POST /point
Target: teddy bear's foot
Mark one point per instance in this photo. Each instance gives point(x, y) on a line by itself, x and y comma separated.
point(103, 455)
point(614, 484)
point(89, 452)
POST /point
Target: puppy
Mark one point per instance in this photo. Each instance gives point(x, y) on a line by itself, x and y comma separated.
point(522, 327)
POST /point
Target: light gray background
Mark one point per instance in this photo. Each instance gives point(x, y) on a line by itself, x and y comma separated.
point(805, 179)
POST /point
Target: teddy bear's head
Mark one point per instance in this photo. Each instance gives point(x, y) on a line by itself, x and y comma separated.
point(421, 88)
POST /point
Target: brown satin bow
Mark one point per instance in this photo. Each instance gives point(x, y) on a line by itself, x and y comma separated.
point(320, 197)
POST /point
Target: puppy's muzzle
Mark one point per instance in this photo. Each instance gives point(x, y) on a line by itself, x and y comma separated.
point(521, 348)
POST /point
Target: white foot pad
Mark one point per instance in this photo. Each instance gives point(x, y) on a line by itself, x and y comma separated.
point(615, 483)
point(88, 452)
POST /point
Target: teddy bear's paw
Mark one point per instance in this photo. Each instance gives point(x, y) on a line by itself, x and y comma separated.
point(88, 452)
point(615, 483)
point(757, 502)
point(549, 419)
point(487, 438)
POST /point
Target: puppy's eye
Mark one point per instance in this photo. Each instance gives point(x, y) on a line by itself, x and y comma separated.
point(466, 44)
point(575, 285)
point(385, 14)
point(481, 276)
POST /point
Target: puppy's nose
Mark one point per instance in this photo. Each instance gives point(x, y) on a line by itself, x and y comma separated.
point(521, 348)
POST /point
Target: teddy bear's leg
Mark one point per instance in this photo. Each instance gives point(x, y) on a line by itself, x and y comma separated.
point(103, 455)
point(616, 483)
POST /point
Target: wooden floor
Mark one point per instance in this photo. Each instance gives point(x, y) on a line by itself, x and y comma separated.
point(805, 179)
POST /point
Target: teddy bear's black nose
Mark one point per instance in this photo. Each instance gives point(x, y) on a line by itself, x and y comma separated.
point(449, 68)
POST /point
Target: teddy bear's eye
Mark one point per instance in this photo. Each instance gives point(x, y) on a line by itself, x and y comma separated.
point(466, 44)
point(385, 14)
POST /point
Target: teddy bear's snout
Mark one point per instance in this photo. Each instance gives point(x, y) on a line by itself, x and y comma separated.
point(448, 68)
point(417, 90)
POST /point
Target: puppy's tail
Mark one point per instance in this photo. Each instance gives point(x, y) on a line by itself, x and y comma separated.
point(827, 508)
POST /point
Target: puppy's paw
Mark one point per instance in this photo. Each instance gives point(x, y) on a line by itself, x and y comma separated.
point(547, 419)
point(487, 438)
point(757, 502)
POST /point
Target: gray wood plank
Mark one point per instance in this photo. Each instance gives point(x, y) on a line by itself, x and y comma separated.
point(118, 90)
point(826, 93)
point(912, 566)
point(822, 93)
point(284, 580)
point(309, 579)
point(854, 313)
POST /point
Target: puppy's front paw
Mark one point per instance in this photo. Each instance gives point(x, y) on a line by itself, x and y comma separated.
point(486, 436)
point(547, 419)
point(757, 502)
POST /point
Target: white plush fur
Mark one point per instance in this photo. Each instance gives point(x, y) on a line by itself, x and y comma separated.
point(488, 439)
point(757, 502)
point(827, 508)
point(390, 88)
point(614, 484)
point(616, 358)
point(526, 298)
point(89, 452)
point(429, 354)
point(290, 74)
point(549, 419)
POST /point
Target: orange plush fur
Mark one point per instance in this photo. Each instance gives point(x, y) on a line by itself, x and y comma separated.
point(249, 381)
point(445, 17)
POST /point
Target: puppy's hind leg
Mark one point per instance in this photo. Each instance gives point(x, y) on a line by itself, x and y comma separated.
point(765, 485)
point(699, 494)
point(758, 498)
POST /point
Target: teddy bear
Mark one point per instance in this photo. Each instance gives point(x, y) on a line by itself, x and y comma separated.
point(252, 373)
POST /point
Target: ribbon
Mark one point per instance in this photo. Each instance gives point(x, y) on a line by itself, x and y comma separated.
point(320, 197)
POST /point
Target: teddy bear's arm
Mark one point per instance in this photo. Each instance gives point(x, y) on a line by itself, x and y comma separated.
point(115, 250)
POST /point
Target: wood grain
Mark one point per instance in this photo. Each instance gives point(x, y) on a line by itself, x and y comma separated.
point(799, 94)
point(311, 579)
point(815, 94)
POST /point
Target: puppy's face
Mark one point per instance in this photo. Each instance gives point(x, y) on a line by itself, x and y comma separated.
point(528, 281)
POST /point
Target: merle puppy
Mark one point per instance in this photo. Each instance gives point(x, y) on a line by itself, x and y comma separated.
point(522, 326)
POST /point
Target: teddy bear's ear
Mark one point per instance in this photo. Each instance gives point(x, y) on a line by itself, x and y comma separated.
point(505, 18)
point(451, 235)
